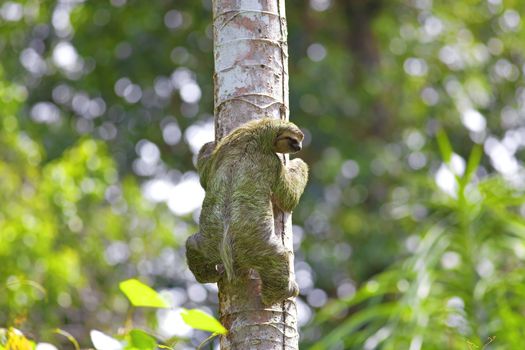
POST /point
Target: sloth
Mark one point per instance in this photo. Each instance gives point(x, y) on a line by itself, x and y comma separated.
point(244, 180)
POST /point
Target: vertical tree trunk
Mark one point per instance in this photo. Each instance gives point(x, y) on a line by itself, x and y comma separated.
point(251, 82)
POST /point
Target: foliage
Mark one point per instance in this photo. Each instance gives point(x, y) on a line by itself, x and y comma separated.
point(456, 289)
point(140, 295)
point(200, 320)
point(409, 235)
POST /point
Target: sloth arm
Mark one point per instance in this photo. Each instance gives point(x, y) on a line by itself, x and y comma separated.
point(290, 184)
point(204, 161)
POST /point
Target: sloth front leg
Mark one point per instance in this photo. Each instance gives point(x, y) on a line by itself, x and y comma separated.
point(290, 184)
point(205, 271)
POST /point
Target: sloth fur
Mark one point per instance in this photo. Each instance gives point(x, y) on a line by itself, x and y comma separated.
point(244, 179)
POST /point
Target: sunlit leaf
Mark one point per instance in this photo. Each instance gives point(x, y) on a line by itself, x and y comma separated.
point(141, 295)
point(200, 320)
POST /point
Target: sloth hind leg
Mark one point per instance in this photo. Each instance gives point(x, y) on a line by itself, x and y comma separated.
point(273, 267)
point(205, 271)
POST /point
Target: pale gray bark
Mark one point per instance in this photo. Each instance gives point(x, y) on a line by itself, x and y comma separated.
point(251, 82)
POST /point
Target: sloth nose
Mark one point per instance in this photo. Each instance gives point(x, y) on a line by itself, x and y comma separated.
point(296, 146)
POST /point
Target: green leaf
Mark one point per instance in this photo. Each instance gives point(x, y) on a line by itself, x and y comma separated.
point(473, 161)
point(141, 295)
point(200, 320)
point(138, 339)
point(444, 146)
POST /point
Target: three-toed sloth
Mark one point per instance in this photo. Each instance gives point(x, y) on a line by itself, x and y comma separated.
point(244, 179)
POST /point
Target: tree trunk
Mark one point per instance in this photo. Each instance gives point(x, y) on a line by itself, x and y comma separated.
point(251, 82)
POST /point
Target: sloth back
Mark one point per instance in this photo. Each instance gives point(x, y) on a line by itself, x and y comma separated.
point(238, 204)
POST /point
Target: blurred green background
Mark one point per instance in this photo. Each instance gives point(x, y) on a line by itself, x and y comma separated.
point(411, 233)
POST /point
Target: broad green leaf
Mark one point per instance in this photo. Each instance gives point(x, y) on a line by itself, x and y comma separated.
point(138, 339)
point(200, 320)
point(141, 295)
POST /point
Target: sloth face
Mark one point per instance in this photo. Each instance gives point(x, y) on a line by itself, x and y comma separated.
point(288, 141)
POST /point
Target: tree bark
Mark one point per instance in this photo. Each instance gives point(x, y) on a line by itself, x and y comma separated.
point(251, 82)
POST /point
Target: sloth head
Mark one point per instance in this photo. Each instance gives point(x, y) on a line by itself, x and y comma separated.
point(288, 138)
point(269, 135)
point(285, 137)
